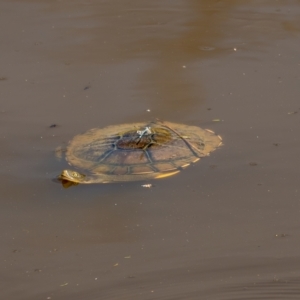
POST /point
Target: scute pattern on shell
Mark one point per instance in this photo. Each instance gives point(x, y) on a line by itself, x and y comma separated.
point(119, 150)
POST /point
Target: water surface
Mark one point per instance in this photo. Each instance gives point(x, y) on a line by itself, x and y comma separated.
point(225, 228)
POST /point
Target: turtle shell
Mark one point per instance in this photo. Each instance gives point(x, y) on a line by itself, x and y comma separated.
point(141, 150)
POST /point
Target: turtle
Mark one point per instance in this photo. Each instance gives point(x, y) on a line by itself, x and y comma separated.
point(136, 152)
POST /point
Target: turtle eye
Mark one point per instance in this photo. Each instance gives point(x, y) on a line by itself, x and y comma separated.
point(74, 174)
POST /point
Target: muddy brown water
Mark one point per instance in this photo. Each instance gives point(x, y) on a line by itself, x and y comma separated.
point(227, 227)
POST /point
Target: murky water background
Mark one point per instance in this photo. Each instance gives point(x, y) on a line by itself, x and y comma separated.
point(225, 228)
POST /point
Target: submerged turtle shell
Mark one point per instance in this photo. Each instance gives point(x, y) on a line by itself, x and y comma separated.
point(123, 153)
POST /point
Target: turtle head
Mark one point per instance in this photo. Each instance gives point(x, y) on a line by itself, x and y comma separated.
point(72, 176)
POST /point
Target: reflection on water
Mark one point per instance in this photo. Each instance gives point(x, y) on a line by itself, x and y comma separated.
point(167, 41)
